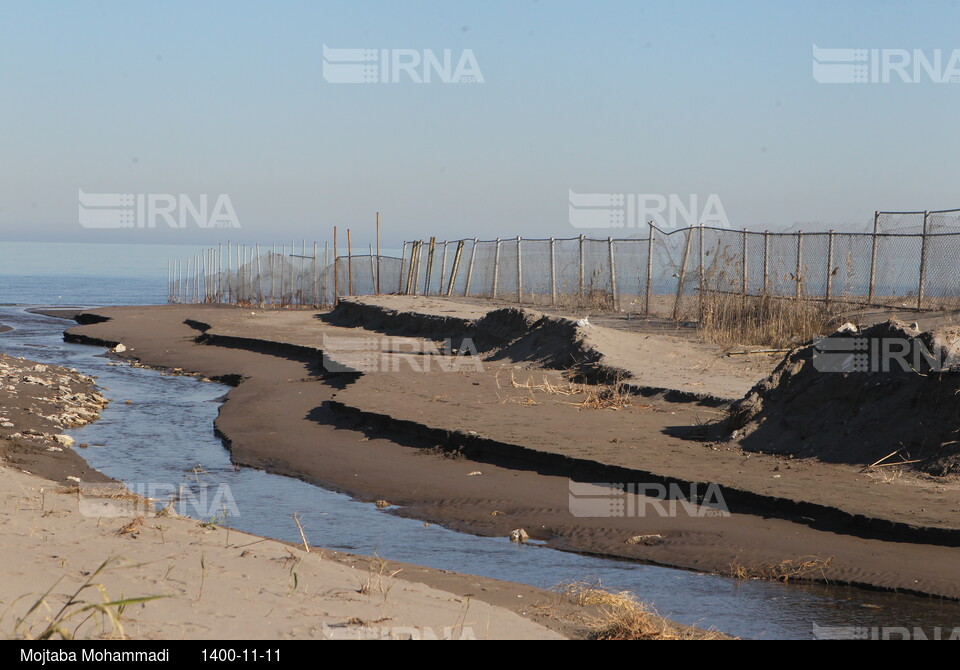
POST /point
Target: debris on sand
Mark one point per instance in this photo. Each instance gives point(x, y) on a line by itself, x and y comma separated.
point(519, 535)
point(887, 393)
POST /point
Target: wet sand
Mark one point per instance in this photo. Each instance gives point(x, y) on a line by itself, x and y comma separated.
point(213, 582)
point(388, 437)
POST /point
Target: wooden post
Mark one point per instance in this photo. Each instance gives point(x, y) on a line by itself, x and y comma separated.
point(456, 267)
point(373, 270)
point(799, 275)
point(743, 288)
point(766, 261)
point(683, 273)
point(519, 272)
point(613, 273)
point(336, 278)
point(473, 256)
point(646, 304)
point(443, 268)
point(553, 272)
point(403, 263)
point(378, 253)
point(416, 268)
point(923, 259)
point(430, 252)
point(873, 257)
point(414, 253)
point(829, 267)
point(580, 270)
point(496, 268)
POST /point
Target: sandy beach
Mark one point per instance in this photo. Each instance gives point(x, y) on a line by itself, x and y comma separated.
point(94, 542)
point(418, 440)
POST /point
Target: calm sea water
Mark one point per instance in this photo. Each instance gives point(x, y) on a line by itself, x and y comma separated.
point(34, 273)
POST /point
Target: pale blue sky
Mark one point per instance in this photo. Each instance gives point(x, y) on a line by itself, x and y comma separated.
point(635, 97)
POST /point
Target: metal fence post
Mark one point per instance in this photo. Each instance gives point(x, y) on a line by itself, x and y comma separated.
point(829, 267)
point(613, 273)
point(923, 260)
point(349, 266)
point(873, 257)
point(683, 272)
point(553, 272)
point(799, 263)
point(519, 272)
point(580, 270)
point(766, 261)
point(496, 268)
point(743, 288)
point(646, 304)
point(703, 278)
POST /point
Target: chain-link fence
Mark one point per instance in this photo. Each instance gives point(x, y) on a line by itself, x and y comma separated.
point(291, 276)
point(910, 260)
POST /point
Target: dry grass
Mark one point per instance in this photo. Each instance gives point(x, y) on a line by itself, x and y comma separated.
point(621, 617)
point(727, 320)
point(45, 621)
point(613, 396)
point(784, 571)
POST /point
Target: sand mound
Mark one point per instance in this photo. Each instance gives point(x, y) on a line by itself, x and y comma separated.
point(857, 396)
point(507, 334)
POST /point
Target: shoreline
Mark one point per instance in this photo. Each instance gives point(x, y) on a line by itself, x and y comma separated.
point(519, 610)
point(159, 337)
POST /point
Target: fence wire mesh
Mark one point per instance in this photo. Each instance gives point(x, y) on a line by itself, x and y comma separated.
point(909, 260)
point(664, 272)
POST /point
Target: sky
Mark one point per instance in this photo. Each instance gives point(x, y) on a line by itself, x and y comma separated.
point(668, 98)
